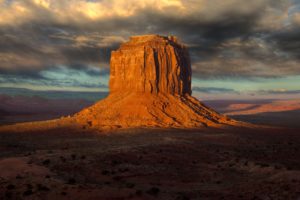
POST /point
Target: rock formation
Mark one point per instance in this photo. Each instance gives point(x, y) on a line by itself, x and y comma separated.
point(150, 86)
point(151, 64)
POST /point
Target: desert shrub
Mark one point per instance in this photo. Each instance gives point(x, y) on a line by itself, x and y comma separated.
point(46, 162)
point(28, 192)
point(19, 177)
point(8, 195)
point(139, 192)
point(73, 156)
point(10, 187)
point(130, 185)
point(105, 172)
point(41, 187)
point(182, 197)
point(71, 181)
point(153, 191)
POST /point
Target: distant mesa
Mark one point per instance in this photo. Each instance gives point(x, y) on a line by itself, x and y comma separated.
point(150, 86)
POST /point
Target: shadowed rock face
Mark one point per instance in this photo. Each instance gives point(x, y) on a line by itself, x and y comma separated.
point(151, 64)
point(150, 86)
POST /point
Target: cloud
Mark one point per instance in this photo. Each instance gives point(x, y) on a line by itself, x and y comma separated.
point(62, 76)
point(226, 39)
point(35, 48)
point(288, 41)
point(214, 90)
point(278, 91)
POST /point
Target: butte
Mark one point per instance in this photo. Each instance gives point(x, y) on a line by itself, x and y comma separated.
point(150, 86)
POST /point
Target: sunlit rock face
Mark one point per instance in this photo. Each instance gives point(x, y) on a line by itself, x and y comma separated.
point(150, 86)
point(151, 64)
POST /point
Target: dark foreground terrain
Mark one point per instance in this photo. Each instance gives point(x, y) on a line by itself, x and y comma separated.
point(151, 164)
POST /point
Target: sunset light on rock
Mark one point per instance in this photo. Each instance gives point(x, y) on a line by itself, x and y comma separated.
point(149, 99)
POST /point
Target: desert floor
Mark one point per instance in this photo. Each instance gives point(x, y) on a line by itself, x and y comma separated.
point(151, 164)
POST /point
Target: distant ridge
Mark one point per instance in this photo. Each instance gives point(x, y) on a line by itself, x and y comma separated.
point(53, 94)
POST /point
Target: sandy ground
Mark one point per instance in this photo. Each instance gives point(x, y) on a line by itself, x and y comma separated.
point(150, 164)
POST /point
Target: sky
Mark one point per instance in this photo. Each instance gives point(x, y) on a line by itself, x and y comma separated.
point(238, 49)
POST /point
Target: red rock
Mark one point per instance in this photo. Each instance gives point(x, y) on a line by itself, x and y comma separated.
point(150, 86)
point(151, 64)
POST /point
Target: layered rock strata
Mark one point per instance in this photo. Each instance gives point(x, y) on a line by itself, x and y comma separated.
point(151, 64)
point(150, 86)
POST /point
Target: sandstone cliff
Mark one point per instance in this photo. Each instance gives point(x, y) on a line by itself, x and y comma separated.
point(151, 64)
point(150, 86)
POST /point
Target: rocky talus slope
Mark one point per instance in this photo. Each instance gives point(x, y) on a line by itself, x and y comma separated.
point(150, 86)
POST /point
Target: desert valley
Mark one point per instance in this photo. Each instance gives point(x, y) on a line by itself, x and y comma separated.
point(145, 100)
point(165, 146)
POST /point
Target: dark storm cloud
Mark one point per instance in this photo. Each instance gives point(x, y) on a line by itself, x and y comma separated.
point(27, 51)
point(198, 31)
point(82, 54)
point(288, 41)
point(204, 38)
point(22, 74)
point(35, 39)
point(228, 39)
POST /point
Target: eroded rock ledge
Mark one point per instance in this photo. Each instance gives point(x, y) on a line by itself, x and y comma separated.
point(151, 64)
point(150, 86)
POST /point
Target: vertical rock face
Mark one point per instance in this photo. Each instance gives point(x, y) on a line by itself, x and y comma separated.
point(151, 64)
point(150, 86)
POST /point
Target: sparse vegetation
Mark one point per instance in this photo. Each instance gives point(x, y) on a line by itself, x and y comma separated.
point(139, 192)
point(153, 191)
point(130, 185)
point(73, 156)
point(41, 187)
point(10, 187)
point(71, 181)
point(105, 172)
point(63, 159)
point(189, 163)
point(28, 192)
point(8, 194)
point(46, 162)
